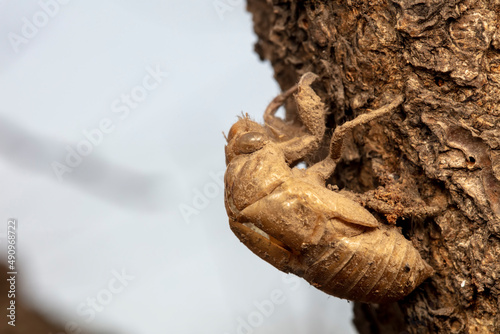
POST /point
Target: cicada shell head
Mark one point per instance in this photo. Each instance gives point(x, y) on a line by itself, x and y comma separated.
point(245, 137)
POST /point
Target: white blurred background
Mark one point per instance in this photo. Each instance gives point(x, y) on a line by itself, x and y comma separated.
point(143, 202)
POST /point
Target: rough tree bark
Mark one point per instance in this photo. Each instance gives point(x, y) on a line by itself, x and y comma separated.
point(440, 151)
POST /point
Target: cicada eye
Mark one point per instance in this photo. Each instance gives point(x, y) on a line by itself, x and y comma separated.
point(250, 142)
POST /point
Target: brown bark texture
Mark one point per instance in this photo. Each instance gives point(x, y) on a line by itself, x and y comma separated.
point(433, 167)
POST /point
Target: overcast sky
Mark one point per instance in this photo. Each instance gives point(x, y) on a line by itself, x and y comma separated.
point(111, 156)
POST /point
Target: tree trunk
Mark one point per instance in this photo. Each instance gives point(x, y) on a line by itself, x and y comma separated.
point(433, 167)
point(20, 319)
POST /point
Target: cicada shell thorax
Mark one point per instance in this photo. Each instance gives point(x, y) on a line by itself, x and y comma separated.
point(250, 177)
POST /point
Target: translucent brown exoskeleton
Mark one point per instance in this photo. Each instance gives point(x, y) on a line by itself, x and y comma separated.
point(290, 219)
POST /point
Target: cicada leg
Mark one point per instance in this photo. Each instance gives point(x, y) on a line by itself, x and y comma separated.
point(294, 141)
point(265, 246)
point(326, 167)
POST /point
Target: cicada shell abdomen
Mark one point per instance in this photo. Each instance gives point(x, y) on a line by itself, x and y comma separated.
point(376, 266)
